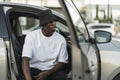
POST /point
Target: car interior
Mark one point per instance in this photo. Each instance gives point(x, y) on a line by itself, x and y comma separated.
point(18, 38)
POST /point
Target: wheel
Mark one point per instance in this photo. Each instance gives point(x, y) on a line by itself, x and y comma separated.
point(117, 77)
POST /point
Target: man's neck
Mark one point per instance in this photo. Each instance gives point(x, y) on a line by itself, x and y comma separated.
point(46, 32)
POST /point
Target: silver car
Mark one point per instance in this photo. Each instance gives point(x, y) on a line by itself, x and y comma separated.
point(85, 62)
point(102, 26)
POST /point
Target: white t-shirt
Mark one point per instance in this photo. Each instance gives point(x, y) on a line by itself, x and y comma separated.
point(45, 52)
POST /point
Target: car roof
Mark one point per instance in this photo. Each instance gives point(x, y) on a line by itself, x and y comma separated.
point(10, 4)
point(24, 6)
point(33, 7)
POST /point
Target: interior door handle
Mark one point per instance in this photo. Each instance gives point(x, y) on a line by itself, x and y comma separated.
point(93, 67)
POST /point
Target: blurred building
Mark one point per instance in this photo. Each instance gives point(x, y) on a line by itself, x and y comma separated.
point(89, 5)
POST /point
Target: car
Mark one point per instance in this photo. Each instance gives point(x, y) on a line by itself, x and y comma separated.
point(102, 26)
point(85, 61)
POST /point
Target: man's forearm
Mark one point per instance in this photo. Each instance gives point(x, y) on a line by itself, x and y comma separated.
point(27, 74)
point(56, 68)
point(26, 69)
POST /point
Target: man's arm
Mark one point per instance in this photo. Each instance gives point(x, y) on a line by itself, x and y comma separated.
point(56, 68)
point(26, 69)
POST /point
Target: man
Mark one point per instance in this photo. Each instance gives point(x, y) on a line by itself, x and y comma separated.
point(44, 52)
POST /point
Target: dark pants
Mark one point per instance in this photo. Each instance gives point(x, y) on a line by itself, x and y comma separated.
point(59, 75)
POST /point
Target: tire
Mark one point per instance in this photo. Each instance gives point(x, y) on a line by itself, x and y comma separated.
point(117, 77)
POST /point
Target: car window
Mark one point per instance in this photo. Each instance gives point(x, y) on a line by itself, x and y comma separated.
point(3, 26)
point(28, 24)
point(79, 26)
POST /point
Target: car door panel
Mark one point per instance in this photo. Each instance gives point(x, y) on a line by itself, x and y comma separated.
point(3, 60)
point(84, 51)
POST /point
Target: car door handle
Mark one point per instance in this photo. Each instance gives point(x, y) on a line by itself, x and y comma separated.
point(93, 67)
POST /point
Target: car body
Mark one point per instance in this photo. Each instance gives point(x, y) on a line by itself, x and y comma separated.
point(110, 59)
point(109, 52)
point(84, 54)
point(102, 26)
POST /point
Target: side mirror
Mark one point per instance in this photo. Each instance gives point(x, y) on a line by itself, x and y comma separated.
point(102, 36)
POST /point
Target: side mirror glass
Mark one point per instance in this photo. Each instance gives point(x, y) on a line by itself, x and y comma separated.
point(102, 36)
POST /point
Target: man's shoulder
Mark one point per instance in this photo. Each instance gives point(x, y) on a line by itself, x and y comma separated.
point(34, 32)
point(59, 36)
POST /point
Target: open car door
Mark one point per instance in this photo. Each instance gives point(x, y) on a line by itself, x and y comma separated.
point(86, 63)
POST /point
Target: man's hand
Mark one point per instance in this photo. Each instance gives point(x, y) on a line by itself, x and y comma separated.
point(42, 75)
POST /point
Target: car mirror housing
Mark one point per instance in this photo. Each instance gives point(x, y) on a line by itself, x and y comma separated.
point(102, 36)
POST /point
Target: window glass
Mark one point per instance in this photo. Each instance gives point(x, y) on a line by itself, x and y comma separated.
point(28, 24)
point(3, 26)
point(79, 26)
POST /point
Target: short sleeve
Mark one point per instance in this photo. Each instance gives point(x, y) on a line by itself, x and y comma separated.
point(63, 55)
point(27, 47)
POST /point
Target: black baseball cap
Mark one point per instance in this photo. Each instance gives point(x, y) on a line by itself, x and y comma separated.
point(46, 16)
